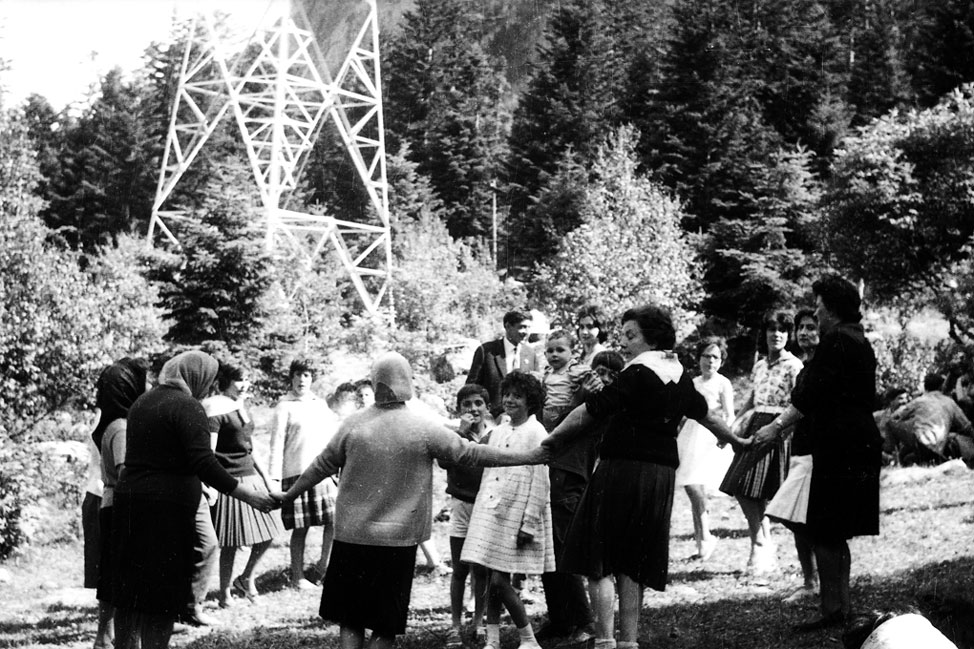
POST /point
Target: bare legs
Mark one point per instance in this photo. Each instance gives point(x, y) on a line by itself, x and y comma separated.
point(603, 594)
point(806, 558)
point(502, 592)
point(227, 556)
point(458, 582)
point(762, 547)
point(298, 538)
point(701, 520)
point(104, 637)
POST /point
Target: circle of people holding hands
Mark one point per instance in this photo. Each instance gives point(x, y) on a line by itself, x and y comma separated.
point(567, 472)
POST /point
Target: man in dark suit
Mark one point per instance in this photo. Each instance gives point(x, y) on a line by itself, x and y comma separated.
point(497, 358)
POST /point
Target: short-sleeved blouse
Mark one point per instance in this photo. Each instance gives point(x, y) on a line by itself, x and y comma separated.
point(773, 382)
point(646, 414)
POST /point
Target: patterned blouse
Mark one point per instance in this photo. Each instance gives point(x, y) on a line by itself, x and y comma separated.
point(773, 382)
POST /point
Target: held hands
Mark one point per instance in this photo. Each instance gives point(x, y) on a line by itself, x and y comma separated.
point(766, 435)
point(262, 501)
point(523, 538)
point(279, 497)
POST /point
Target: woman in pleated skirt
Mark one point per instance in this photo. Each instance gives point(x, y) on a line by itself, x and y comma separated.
point(237, 524)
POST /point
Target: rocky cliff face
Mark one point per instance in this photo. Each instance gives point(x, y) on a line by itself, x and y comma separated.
point(512, 27)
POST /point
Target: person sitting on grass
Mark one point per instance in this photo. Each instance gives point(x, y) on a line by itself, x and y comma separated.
point(922, 426)
point(384, 503)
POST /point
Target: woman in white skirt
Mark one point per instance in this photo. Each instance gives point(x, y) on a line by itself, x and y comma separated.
point(791, 502)
point(237, 524)
point(703, 463)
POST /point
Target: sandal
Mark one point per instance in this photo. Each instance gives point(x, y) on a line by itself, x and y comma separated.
point(240, 587)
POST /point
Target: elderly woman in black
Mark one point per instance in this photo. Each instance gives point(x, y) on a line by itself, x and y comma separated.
point(835, 395)
point(167, 453)
point(621, 528)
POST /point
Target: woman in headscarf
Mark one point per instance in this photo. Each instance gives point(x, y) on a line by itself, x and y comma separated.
point(158, 492)
point(384, 503)
point(117, 388)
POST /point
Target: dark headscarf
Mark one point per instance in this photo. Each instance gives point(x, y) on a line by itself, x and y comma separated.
point(392, 379)
point(117, 388)
point(192, 372)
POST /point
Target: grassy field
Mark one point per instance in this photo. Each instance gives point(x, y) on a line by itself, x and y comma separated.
point(924, 558)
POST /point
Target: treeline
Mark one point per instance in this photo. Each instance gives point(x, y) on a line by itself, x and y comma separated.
point(713, 156)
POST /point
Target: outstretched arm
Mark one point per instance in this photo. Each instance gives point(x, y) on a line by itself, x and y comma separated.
point(571, 428)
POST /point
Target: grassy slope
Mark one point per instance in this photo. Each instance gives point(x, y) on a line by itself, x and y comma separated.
point(924, 558)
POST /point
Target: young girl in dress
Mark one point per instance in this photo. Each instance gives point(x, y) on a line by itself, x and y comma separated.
point(510, 526)
point(702, 462)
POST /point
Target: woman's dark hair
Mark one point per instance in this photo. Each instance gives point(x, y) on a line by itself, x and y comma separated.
point(655, 324)
point(561, 333)
point(840, 296)
point(363, 383)
point(598, 319)
point(526, 385)
point(713, 341)
point(780, 321)
point(610, 359)
point(470, 389)
point(300, 366)
point(933, 381)
point(227, 374)
point(890, 394)
point(803, 313)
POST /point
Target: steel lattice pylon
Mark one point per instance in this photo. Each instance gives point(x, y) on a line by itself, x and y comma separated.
point(280, 100)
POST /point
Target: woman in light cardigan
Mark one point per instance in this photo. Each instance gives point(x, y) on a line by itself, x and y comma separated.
point(384, 505)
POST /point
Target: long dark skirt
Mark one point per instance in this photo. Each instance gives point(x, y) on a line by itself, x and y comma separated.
point(104, 585)
point(90, 508)
point(622, 524)
point(757, 473)
point(152, 554)
point(368, 587)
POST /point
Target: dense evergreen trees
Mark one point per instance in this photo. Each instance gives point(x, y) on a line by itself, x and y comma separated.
point(740, 105)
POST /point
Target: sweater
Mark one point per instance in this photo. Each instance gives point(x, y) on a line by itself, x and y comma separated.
point(167, 449)
point(385, 455)
point(302, 428)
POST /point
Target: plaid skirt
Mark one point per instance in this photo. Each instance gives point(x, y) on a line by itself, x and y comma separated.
point(757, 473)
point(316, 506)
point(238, 524)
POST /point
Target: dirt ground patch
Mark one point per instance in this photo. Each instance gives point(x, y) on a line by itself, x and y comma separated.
point(924, 558)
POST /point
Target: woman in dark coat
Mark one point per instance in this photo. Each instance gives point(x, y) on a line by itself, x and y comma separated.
point(167, 453)
point(836, 396)
point(621, 528)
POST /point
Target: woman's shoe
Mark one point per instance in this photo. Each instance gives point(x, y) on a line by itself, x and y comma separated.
point(240, 586)
point(707, 548)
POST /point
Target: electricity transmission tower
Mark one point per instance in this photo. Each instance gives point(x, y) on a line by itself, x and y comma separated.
point(281, 90)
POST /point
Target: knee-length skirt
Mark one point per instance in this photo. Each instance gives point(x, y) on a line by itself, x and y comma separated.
point(757, 473)
point(368, 587)
point(316, 506)
point(622, 524)
point(238, 524)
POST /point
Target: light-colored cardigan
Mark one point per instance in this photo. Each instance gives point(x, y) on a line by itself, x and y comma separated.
point(386, 455)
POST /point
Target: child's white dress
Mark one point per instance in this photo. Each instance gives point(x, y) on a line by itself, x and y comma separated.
point(701, 460)
point(512, 499)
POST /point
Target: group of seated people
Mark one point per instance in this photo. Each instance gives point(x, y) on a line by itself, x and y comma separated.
point(929, 429)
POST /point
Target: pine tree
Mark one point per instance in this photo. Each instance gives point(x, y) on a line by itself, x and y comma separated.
point(213, 289)
point(571, 103)
point(943, 56)
point(444, 97)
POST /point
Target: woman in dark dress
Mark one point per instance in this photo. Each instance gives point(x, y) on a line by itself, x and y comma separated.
point(167, 453)
point(836, 396)
point(621, 528)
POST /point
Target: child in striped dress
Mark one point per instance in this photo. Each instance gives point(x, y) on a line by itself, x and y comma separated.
point(510, 527)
